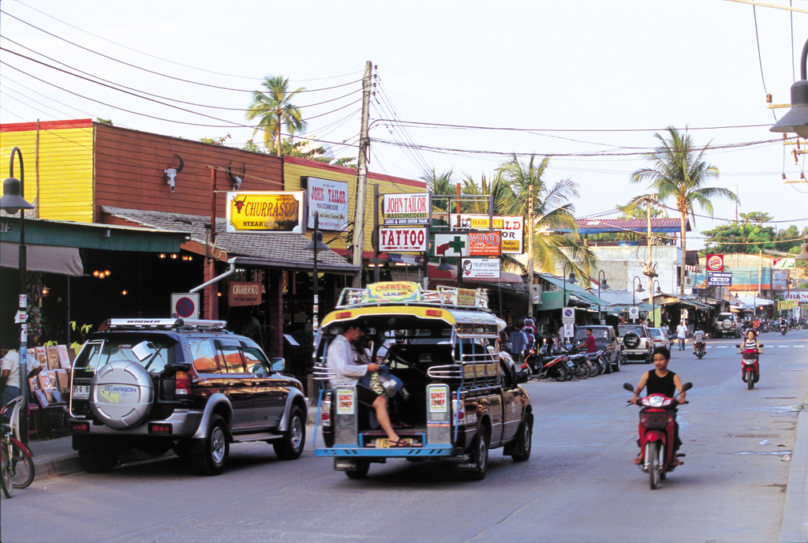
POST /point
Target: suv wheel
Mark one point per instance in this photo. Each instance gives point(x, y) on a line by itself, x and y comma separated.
point(217, 449)
point(294, 441)
point(97, 461)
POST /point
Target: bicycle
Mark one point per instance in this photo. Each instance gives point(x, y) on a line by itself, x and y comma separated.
point(16, 460)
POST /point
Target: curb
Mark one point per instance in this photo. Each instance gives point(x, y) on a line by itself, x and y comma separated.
point(795, 513)
point(69, 464)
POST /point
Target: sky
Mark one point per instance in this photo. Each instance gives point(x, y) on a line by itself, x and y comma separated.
point(592, 79)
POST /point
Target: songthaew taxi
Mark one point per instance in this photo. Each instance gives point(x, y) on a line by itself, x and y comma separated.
point(452, 394)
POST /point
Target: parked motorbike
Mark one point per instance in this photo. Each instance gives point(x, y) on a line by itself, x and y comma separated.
point(700, 350)
point(750, 367)
point(545, 367)
point(765, 328)
point(657, 422)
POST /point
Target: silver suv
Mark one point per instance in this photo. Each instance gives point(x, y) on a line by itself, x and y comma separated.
point(187, 385)
point(726, 324)
point(636, 342)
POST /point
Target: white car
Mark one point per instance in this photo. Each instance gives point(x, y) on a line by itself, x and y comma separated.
point(660, 338)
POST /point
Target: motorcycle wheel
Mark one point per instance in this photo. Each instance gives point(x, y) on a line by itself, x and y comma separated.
point(750, 380)
point(652, 449)
point(560, 375)
point(607, 366)
point(594, 368)
point(570, 372)
point(582, 371)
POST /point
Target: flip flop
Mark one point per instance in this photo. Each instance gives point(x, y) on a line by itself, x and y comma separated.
point(637, 461)
point(399, 443)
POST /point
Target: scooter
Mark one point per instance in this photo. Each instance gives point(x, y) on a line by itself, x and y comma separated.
point(700, 350)
point(750, 367)
point(545, 367)
point(783, 329)
point(657, 422)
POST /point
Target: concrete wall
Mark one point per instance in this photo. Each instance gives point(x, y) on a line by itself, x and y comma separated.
point(621, 264)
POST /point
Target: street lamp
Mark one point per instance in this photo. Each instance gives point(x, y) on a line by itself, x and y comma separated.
point(601, 282)
point(14, 199)
point(653, 302)
point(803, 250)
point(635, 290)
point(315, 245)
point(571, 280)
point(796, 120)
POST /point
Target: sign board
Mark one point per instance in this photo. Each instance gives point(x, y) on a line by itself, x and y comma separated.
point(484, 243)
point(719, 279)
point(266, 212)
point(634, 313)
point(784, 263)
point(799, 295)
point(23, 301)
point(447, 244)
point(242, 293)
point(569, 329)
point(715, 263)
point(345, 402)
point(406, 209)
point(184, 305)
point(787, 304)
point(512, 229)
point(20, 317)
point(536, 291)
point(465, 296)
point(330, 200)
point(393, 291)
point(400, 240)
point(568, 315)
point(5, 227)
point(481, 268)
point(780, 279)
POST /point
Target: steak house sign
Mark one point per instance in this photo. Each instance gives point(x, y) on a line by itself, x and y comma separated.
point(274, 212)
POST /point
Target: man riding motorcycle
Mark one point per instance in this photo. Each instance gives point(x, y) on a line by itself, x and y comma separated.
point(698, 339)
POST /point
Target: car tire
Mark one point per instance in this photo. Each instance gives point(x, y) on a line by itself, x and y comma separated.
point(97, 461)
point(479, 455)
point(524, 443)
point(361, 471)
point(294, 440)
point(216, 449)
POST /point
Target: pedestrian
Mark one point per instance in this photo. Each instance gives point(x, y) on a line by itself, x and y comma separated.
point(10, 375)
point(681, 334)
point(518, 345)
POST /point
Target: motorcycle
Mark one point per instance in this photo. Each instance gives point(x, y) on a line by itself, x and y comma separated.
point(783, 329)
point(700, 350)
point(765, 328)
point(545, 367)
point(750, 367)
point(657, 423)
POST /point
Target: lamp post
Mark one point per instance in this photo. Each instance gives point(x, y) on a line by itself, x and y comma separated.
point(315, 245)
point(653, 302)
point(601, 282)
point(571, 279)
point(14, 199)
point(635, 289)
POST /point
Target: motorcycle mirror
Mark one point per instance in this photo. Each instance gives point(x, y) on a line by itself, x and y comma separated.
point(761, 345)
point(738, 346)
point(628, 387)
point(686, 387)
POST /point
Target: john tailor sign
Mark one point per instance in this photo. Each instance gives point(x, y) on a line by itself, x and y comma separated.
point(276, 212)
point(330, 200)
point(406, 209)
point(397, 240)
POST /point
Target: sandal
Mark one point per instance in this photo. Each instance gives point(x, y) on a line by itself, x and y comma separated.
point(399, 443)
point(638, 460)
point(676, 463)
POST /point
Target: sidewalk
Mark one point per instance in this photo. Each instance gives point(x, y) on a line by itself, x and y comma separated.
point(56, 457)
point(795, 512)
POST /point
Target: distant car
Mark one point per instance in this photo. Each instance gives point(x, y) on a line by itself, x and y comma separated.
point(726, 324)
point(605, 340)
point(636, 342)
point(660, 338)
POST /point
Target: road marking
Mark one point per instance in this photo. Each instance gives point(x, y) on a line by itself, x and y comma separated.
point(783, 346)
point(799, 346)
point(722, 347)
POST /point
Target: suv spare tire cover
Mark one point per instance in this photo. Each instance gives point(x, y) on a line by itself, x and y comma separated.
point(631, 340)
point(121, 394)
point(726, 324)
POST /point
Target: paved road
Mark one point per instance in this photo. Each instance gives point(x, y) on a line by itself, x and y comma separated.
point(580, 484)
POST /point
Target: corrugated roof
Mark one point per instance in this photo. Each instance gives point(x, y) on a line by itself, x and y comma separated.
point(286, 251)
point(602, 226)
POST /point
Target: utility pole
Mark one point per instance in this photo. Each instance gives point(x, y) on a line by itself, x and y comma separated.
point(650, 271)
point(760, 269)
point(361, 178)
point(530, 252)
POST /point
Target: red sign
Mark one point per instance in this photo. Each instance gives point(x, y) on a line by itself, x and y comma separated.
point(397, 240)
point(485, 243)
point(244, 294)
point(715, 263)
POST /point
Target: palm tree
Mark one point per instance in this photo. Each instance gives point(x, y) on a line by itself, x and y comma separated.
point(678, 171)
point(552, 211)
point(439, 184)
point(273, 108)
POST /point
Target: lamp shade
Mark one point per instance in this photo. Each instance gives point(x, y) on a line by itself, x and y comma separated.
point(571, 278)
point(318, 238)
point(796, 120)
point(444, 264)
point(803, 251)
point(639, 288)
point(604, 284)
point(12, 200)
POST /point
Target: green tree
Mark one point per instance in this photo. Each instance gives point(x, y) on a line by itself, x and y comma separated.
point(273, 108)
point(440, 184)
point(678, 171)
point(756, 216)
point(740, 238)
point(552, 211)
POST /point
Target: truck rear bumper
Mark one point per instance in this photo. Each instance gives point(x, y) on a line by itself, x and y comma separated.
point(430, 451)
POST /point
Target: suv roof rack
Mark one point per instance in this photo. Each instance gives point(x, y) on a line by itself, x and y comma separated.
point(165, 324)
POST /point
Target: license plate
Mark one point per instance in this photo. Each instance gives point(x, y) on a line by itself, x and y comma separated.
point(81, 392)
point(569, 363)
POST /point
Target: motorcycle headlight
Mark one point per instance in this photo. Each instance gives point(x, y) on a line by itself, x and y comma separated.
point(655, 400)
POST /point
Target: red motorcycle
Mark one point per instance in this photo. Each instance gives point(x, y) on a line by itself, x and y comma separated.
point(657, 420)
point(544, 367)
point(750, 367)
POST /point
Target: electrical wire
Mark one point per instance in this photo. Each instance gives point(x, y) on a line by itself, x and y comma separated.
point(760, 58)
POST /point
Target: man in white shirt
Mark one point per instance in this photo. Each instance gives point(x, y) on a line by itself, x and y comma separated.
point(681, 333)
point(698, 337)
point(10, 375)
point(342, 358)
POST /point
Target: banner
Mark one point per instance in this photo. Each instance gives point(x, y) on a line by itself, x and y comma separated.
point(484, 243)
point(784, 263)
point(406, 209)
point(715, 263)
point(330, 200)
point(481, 268)
point(265, 212)
point(512, 229)
point(402, 240)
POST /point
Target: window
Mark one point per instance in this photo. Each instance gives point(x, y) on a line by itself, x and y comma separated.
point(159, 351)
point(204, 355)
point(231, 359)
point(256, 363)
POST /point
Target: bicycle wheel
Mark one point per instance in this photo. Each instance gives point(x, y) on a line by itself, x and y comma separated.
point(22, 467)
point(5, 471)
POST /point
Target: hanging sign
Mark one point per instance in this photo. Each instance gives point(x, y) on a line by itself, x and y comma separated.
point(719, 279)
point(240, 294)
point(452, 245)
point(266, 212)
point(480, 268)
point(484, 243)
point(406, 209)
point(715, 263)
point(511, 229)
point(401, 240)
point(330, 200)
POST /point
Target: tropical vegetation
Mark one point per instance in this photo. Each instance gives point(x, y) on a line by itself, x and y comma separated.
point(273, 108)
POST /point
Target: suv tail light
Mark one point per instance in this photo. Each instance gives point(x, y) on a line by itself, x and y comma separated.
point(80, 427)
point(156, 428)
point(325, 411)
point(182, 385)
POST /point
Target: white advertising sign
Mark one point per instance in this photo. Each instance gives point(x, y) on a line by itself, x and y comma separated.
point(569, 329)
point(480, 268)
point(401, 240)
point(511, 228)
point(784, 263)
point(799, 295)
point(447, 245)
point(406, 209)
point(330, 199)
point(634, 313)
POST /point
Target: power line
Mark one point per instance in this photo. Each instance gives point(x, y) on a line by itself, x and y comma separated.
point(760, 59)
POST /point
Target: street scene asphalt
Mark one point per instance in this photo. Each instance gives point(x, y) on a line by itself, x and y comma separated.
point(579, 485)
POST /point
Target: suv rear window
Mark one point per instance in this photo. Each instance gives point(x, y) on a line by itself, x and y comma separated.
point(158, 351)
point(626, 328)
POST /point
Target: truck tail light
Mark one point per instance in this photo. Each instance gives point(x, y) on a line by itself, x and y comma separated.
point(160, 429)
point(80, 427)
point(182, 385)
point(325, 411)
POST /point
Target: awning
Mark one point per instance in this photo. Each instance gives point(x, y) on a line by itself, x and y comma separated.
point(42, 258)
point(573, 289)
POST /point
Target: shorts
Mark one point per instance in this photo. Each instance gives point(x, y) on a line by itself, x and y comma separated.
point(365, 395)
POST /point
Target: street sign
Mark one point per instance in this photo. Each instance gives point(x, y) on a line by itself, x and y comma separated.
point(406, 209)
point(568, 315)
point(569, 329)
point(719, 279)
point(403, 239)
point(634, 313)
point(185, 306)
point(20, 317)
point(452, 245)
point(511, 229)
point(330, 200)
point(715, 263)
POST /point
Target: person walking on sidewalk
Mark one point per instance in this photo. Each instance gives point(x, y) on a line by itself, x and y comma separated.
point(10, 375)
point(681, 333)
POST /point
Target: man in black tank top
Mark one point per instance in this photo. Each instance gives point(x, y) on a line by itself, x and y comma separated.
point(662, 381)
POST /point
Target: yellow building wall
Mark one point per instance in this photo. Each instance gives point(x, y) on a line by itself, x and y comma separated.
point(65, 170)
point(292, 181)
